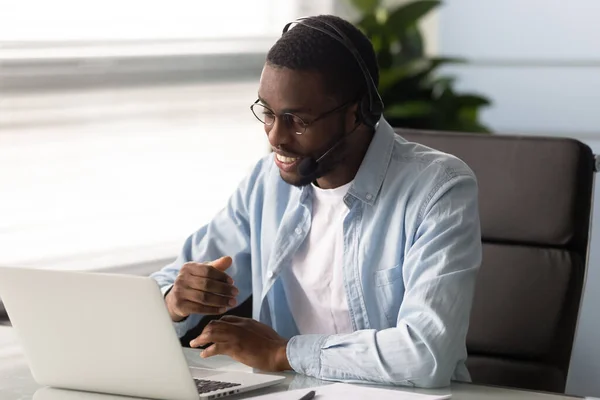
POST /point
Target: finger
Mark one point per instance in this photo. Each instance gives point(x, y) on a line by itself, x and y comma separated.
point(233, 319)
point(208, 299)
point(188, 307)
point(222, 263)
point(203, 340)
point(212, 286)
point(205, 270)
point(215, 332)
point(214, 350)
point(249, 325)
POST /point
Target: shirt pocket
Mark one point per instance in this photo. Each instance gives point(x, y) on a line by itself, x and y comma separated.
point(389, 290)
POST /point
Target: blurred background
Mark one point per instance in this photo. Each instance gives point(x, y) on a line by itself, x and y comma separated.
point(125, 125)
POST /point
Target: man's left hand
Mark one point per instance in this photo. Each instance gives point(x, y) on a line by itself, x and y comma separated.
point(246, 341)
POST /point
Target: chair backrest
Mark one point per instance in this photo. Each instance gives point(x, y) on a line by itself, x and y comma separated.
point(535, 199)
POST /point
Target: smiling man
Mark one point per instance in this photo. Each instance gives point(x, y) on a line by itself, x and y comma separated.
point(360, 249)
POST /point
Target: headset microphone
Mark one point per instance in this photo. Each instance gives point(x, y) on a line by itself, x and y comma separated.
point(309, 165)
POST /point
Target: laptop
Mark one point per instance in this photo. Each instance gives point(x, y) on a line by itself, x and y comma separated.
point(108, 333)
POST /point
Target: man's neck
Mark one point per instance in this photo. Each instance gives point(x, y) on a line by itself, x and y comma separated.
point(346, 171)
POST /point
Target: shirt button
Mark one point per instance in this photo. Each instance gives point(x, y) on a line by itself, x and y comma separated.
point(270, 274)
point(369, 196)
point(298, 231)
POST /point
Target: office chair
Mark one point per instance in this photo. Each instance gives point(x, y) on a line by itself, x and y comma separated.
point(535, 199)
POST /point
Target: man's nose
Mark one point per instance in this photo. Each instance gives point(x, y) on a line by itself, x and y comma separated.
point(278, 133)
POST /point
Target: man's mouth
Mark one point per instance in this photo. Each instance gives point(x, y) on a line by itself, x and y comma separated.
point(285, 163)
point(286, 160)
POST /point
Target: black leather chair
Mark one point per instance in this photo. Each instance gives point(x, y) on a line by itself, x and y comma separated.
point(535, 203)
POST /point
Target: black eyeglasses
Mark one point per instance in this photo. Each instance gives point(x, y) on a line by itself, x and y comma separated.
point(267, 116)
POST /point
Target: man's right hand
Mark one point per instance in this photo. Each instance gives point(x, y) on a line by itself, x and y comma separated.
point(202, 288)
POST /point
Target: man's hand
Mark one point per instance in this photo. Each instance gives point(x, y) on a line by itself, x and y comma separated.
point(246, 341)
point(201, 288)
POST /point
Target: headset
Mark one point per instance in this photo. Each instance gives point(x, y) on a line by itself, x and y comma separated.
point(370, 106)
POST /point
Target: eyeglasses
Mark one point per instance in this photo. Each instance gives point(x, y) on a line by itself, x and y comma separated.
point(267, 116)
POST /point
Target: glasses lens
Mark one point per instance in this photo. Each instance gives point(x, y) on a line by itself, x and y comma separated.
point(263, 114)
point(296, 124)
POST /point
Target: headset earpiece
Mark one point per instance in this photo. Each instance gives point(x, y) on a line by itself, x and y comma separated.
point(376, 108)
point(365, 111)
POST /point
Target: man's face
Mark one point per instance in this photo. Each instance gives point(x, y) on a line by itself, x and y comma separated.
point(302, 94)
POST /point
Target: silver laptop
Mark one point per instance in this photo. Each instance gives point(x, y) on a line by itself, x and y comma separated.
point(108, 333)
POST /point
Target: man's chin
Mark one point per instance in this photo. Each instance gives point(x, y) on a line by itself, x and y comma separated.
point(296, 179)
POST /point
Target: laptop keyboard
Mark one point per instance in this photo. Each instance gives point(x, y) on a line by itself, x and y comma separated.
point(205, 386)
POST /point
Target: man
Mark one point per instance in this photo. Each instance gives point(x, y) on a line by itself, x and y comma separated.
point(360, 249)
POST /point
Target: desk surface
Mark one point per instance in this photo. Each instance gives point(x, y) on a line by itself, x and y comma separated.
point(16, 382)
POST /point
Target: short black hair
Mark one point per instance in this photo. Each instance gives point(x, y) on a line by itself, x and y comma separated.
point(306, 49)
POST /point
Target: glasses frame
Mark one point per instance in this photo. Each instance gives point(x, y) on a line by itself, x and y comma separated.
point(290, 116)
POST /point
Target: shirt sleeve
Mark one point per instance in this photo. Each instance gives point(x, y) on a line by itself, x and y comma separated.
point(227, 234)
point(429, 339)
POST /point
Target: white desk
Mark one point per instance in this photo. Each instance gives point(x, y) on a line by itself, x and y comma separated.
point(16, 382)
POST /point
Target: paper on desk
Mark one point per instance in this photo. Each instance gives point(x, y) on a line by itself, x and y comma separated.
point(350, 392)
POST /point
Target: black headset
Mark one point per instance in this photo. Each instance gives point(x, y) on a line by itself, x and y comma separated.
point(370, 106)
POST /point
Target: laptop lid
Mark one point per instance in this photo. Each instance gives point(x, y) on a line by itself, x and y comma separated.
point(79, 330)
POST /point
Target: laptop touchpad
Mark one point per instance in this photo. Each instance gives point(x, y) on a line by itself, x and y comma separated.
point(203, 372)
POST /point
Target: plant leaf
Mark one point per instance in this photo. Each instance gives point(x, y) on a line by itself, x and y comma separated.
point(471, 100)
point(467, 114)
point(370, 26)
point(447, 60)
point(411, 43)
point(412, 76)
point(440, 84)
point(413, 92)
point(391, 76)
point(418, 68)
point(365, 6)
point(409, 14)
point(385, 59)
point(409, 109)
point(443, 81)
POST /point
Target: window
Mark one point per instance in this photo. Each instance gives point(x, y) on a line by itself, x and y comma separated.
point(174, 26)
point(74, 20)
point(125, 126)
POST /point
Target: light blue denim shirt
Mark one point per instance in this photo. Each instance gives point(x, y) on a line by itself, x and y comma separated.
point(412, 250)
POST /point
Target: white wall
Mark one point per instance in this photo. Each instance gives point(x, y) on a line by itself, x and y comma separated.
point(539, 61)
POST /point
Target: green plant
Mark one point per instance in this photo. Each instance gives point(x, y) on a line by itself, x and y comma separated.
point(415, 96)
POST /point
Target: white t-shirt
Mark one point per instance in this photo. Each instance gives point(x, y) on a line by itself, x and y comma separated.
point(314, 286)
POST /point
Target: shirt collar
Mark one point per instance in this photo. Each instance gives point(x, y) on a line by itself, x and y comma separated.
point(372, 171)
